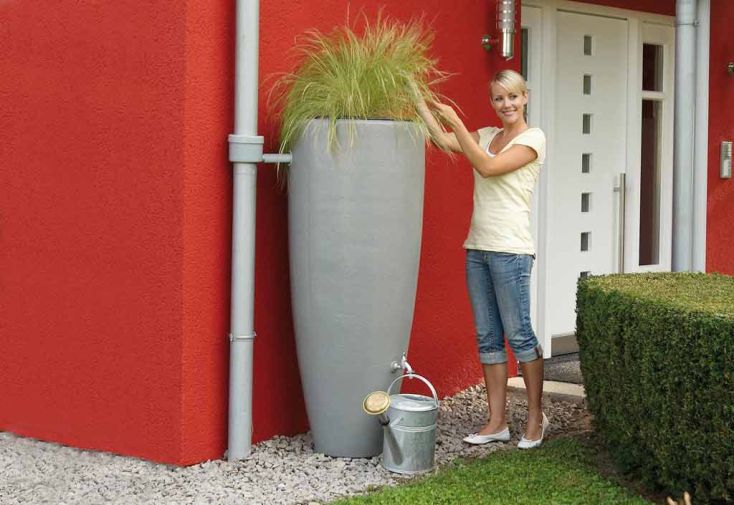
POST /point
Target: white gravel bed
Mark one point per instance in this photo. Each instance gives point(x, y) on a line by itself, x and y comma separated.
point(283, 470)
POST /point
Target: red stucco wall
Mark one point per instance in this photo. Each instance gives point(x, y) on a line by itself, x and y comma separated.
point(115, 222)
point(720, 237)
point(206, 217)
point(91, 242)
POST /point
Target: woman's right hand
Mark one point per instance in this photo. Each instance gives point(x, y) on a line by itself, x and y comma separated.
point(444, 141)
point(447, 114)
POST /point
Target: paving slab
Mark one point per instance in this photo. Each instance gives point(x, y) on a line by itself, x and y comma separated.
point(560, 391)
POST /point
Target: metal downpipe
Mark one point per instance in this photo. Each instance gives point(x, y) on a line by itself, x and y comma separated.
point(700, 172)
point(243, 232)
point(245, 152)
point(685, 115)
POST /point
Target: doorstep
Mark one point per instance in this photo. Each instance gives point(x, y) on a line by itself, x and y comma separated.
point(563, 391)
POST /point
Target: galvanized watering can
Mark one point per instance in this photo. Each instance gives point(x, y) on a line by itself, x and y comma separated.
point(409, 423)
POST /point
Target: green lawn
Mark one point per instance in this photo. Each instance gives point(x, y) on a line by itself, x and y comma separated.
point(561, 472)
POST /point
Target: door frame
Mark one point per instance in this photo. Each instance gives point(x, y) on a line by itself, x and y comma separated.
point(546, 96)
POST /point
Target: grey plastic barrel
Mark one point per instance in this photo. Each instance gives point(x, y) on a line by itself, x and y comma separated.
point(355, 216)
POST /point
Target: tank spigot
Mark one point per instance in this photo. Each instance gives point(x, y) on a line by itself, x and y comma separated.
point(402, 365)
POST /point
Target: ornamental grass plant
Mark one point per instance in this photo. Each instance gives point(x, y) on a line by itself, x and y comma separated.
point(371, 73)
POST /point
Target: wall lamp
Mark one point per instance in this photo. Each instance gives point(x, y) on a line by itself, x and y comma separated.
point(505, 30)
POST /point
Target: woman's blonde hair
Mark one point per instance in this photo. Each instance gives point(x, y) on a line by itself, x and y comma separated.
point(510, 80)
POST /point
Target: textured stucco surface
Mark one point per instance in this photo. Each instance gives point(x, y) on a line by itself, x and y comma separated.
point(720, 232)
point(207, 209)
point(91, 154)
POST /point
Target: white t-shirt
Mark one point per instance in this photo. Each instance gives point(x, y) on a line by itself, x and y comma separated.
point(501, 217)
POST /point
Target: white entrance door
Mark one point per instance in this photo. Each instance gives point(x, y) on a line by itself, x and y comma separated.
point(601, 82)
point(589, 145)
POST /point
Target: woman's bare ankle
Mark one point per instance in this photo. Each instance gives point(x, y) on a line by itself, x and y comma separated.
point(534, 427)
point(493, 427)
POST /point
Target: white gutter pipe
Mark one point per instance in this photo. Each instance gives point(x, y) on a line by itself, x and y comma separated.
point(245, 151)
point(700, 172)
point(685, 115)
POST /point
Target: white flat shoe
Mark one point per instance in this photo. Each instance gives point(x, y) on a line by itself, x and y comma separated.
point(477, 439)
point(524, 443)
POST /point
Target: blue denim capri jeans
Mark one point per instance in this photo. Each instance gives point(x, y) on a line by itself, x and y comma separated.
point(499, 288)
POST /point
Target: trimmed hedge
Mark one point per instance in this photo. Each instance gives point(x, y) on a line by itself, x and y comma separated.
point(657, 356)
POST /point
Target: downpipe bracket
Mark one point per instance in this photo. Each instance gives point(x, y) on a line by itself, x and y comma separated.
point(250, 336)
point(249, 149)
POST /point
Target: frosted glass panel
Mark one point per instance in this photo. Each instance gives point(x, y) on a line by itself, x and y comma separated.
point(585, 240)
point(585, 202)
point(586, 127)
point(586, 163)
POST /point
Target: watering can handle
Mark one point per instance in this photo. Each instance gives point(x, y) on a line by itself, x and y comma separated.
point(416, 376)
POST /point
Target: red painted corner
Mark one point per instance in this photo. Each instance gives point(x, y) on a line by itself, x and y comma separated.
point(720, 235)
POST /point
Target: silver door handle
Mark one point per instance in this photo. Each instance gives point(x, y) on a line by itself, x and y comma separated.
point(622, 190)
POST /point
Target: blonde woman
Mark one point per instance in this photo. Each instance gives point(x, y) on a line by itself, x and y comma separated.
point(499, 247)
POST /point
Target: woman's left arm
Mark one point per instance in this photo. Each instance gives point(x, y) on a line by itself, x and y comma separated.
point(515, 157)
